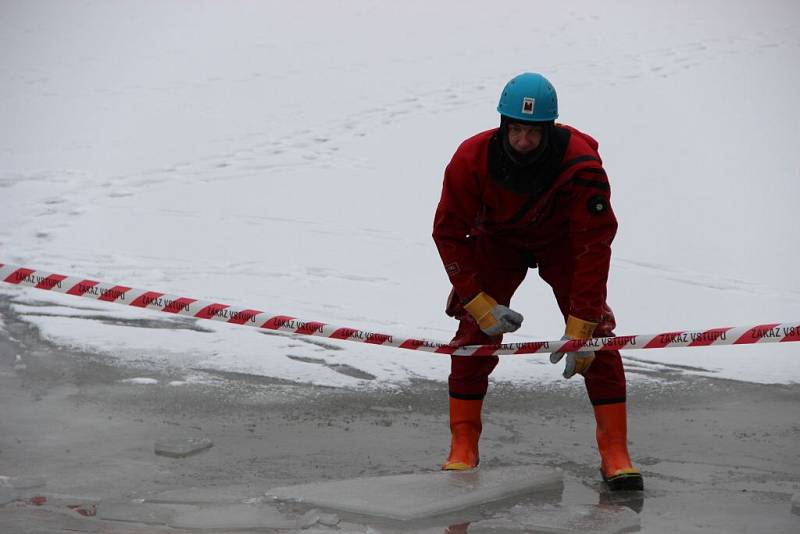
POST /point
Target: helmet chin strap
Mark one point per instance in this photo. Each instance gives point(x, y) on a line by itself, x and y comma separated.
point(527, 159)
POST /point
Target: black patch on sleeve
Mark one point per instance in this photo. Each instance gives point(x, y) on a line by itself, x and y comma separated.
point(597, 205)
point(591, 183)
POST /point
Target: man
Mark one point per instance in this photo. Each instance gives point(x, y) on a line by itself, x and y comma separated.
point(531, 193)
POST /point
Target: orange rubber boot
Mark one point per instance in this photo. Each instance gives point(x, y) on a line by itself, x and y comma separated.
point(465, 428)
point(612, 440)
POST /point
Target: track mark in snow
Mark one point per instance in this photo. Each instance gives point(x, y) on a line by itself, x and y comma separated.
point(321, 272)
point(639, 363)
point(306, 359)
point(310, 341)
point(340, 368)
point(708, 281)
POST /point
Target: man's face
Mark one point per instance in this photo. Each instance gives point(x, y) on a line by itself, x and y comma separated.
point(524, 138)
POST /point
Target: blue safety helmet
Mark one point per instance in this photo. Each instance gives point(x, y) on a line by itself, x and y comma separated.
point(529, 97)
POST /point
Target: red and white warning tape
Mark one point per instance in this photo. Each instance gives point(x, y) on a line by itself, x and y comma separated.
point(154, 300)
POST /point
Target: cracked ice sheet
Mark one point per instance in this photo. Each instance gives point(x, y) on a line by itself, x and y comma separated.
point(307, 359)
point(416, 496)
point(313, 359)
point(249, 350)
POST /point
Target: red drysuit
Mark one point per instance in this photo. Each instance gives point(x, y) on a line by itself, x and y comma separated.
point(489, 236)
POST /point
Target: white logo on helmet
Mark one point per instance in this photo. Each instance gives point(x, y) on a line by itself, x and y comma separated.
point(527, 105)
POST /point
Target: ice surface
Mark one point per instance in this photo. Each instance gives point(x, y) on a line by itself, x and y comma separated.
point(28, 482)
point(600, 519)
point(181, 447)
point(8, 495)
point(796, 504)
point(239, 516)
point(415, 496)
point(23, 482)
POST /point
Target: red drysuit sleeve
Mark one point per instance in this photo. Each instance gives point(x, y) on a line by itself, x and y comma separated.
point(455, 215)
point(592, 227)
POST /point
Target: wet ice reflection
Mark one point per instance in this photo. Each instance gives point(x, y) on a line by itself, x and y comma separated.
point(415, 496)
point(602, 519)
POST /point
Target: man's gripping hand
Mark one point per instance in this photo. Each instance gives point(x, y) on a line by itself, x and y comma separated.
point(577, 362)
point(493, 318)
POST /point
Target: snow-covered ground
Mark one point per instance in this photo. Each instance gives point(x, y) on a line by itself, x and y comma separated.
point(288, 156)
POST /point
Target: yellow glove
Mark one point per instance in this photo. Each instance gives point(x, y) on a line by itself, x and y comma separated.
point(493, 318)
point(577, 362)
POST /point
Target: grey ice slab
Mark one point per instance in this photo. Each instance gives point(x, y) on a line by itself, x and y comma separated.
point(207, 495)
point(150, 514)
point(239, 516)
point(796, 504)
point(181, 447)
point(600, 519)
point(421, 495)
